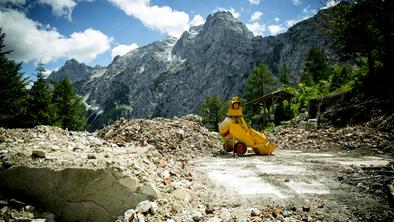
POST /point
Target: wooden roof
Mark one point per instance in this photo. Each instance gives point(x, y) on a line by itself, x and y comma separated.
point(268, 99)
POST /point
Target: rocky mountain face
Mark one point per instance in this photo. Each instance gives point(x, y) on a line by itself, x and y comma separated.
point(171, 77)
point(74, 70)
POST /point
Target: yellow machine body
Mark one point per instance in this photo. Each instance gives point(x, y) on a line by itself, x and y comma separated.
point(237, 134)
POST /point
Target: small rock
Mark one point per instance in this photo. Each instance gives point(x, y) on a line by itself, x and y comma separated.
point(29, 208)
point(38, 154)
point(287, 180)
point(197, 217)
point(194, 118)
point(306, 208)
point(209, 209)
point(255, 212)
point(182, 194)
point(285, 213)
point(2, 139)
point(91, 156)
point(225, 214)
point(150, 190)
point(214, 219)
point(170, 220)
point(167, 180)
point(162, 163)
point(277, 212)
point(379, 192)
point(140, 217)
point(143, 207)
point(165, 174)
point(173, 210)
point(129, 215)
point(153, 208)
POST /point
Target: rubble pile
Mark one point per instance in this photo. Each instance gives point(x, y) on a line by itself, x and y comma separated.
point(80, 177)
point(360, 138)
point(185, 135)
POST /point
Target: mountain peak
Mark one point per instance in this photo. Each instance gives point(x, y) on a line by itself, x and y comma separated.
point(223, 15)
point(74, 70)
point(72, 62)
point(224, 20)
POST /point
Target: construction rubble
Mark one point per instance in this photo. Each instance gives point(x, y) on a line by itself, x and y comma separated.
point(184, 136)
point(140, 170)
point(144, 170)
point(360, 138)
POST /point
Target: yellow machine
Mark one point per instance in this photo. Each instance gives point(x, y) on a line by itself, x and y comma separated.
point(238, 136)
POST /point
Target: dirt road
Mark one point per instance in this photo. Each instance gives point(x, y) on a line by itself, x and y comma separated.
point(301, 186)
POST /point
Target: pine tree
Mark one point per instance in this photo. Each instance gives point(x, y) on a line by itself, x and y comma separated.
point(212, 111)
point(13, 91)
point(316, 67)
point(284, 75)
point(340, 76)
point(260, 82)
point(68, 106)
point(40, 108)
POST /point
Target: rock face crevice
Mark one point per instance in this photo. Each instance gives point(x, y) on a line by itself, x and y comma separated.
point(74, 194)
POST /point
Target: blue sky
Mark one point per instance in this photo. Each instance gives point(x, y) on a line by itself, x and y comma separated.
point(94, 31)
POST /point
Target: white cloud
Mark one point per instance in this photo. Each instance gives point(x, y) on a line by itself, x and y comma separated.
point(31, 41)
point(277, 19)
point(296, 2)
point(232, 10)
point(123, 49)
point(306, 10)
point(49, 71)
point(256, 28)
point(60, 7)
point(291, 22)
point(275, 29)
point(331, 3)
point(254, 2)
point(197, 20)
point(256, 16)
point(164, 19)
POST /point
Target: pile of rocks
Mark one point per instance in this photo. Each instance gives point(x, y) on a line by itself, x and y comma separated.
point(186, 135)
point(360, 138)
point(78, 176)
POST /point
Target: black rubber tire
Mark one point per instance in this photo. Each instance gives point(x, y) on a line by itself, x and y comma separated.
point(240, 148)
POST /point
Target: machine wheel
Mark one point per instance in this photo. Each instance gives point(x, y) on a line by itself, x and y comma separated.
point(240, 148)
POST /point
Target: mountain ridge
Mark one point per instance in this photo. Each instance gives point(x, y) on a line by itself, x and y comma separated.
point(172, 76)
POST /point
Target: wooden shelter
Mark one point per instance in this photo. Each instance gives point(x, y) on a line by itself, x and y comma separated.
point(268, 100)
